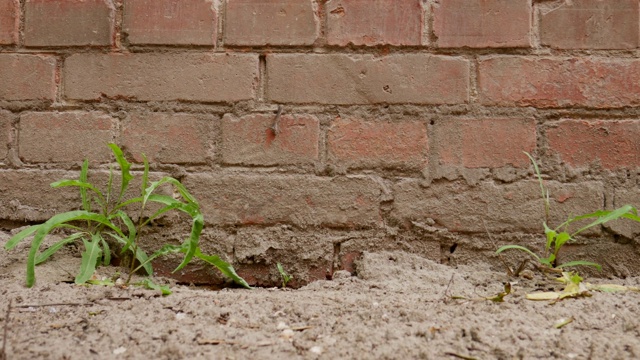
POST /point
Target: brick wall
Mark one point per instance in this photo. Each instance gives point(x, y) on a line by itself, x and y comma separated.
point(403, 127)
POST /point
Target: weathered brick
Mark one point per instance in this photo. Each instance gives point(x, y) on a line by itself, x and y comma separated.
point(612, 143)
point(8, 21)
point(299, 200)
point(27, 77)
point(482, 23)
point(68, 23)
point(251, 140)
point(370, 143)
point(273, 22)
point(85, 134)
point(365, 79)
point(484, 143)
point(5, 134)
point(169, 138)
point(591, 24)
point(559, 82)
point(187, 76)
point(170, 22)
point(374, 22)
point(26, 194)
point(512, 207)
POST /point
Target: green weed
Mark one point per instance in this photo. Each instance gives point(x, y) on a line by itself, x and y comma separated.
point(557, 237)
point(104, 220)
point(284, 275)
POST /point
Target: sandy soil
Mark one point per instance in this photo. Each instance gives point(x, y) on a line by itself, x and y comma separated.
point(399, 306)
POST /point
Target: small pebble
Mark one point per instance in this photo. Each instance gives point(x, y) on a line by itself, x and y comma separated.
point(316, 350)
point(119, 350)
point(282, 326)
point(287, 334)
point(341, 274)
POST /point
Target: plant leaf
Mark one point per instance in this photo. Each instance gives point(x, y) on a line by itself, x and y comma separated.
point(55, 247)
point(130, 227)
point(57, 221)
point(561, 239)
point(580, 263)
point(83, 187)
point(192, 242)
point(224, 267)
point(551, 236)
point(167, 179)
point(612, 288)
point(147, 283)
point(106, 252)
point(605, 216)
point(140, 255)
point(145, 174)
point(89, 259)
point(15, 240)
point(518, 247)
point(125, 167)
point(84, 170)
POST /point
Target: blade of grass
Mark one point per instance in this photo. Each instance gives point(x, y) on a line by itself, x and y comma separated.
point(86, 204)
point(224, 267)
point(84, 186)
point(192, 242)
point(125, 167)
point(55, 247)
point(580, 263)
point(612, 215)
point(52, 223)
point(106, 252)
point(518, 247)
point(15, 240)
point(89, 259)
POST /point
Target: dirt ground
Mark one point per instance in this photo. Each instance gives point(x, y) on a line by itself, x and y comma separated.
point(398, 306)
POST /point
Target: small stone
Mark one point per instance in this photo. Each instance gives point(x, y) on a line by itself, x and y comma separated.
point(287, 334)
point(119, 350)
point(527, 274)
point(282, 326)
point(341, 274)
point(316, 350)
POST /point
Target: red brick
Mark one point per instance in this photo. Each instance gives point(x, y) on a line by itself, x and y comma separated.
point(27, 77)
point(365, 79)
point(250, 140)
point(68, 23)
point(273, 22)
point(186, 76)
point(28, 196)
point(503, 208)
point(8, 22)
point(168, 138)
point(229, 199)
point(611, 143)
point(484, 143)
point(591, 24)
point(361, 143)
point(559, 82)
point(482, 23)
point(5, 134)
point(170, 22)
point(65, 137)
point(374, 22)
